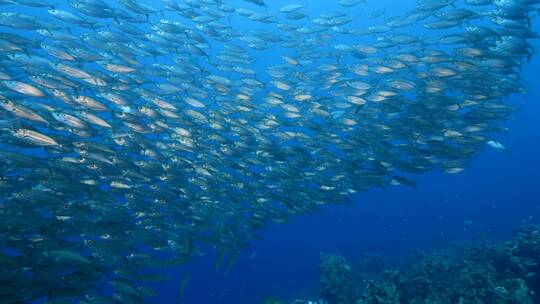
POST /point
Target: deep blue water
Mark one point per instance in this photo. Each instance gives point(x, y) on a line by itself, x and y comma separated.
point(498, 191)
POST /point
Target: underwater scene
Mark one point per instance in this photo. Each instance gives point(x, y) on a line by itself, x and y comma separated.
point(269, 151)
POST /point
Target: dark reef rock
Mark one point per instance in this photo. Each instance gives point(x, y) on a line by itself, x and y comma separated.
point(336, 284)
point(469, 273)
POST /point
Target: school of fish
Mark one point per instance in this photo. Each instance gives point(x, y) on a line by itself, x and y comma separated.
point(135, 134)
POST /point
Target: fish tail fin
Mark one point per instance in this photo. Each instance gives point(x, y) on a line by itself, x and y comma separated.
point(183, 285)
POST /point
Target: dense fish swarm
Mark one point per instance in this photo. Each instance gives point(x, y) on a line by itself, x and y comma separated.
point(133, 134)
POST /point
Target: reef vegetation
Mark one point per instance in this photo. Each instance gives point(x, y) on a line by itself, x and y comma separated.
point(479, 272)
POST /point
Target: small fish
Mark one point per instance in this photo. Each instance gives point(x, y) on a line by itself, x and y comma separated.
point(351, 3)
point(35, 138)
point(24, 88)
point(257, 2)
point(184, 282)
point(496, 145)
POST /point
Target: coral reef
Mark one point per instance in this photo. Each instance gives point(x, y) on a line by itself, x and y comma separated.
point(470, 273)
point(272, 301)
point(336, 283)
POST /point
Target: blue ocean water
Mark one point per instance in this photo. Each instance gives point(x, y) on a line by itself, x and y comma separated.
point(497, 192)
